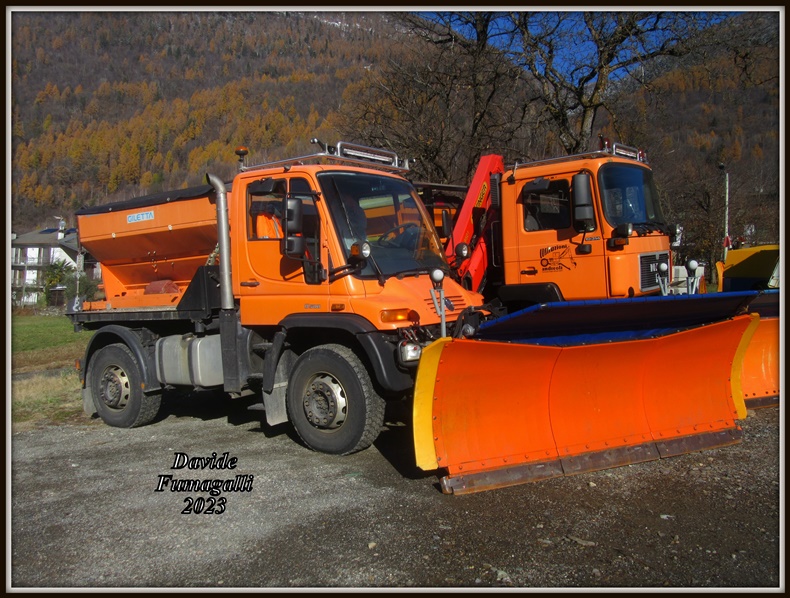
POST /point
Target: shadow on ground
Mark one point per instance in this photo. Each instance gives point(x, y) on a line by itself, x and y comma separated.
point(395, 442)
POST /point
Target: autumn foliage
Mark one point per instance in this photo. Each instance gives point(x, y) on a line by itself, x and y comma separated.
point(110, 105)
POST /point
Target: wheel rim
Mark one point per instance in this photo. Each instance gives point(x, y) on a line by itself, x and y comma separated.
point(115, 389)
point(325, 402)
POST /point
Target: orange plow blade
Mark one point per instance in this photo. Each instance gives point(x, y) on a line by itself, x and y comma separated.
point(494, 414)
point(760, 373)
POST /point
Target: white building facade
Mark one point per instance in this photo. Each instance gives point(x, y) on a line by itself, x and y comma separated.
point(31, 254)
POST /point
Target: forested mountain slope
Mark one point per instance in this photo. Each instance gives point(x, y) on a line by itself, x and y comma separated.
point(107, 105)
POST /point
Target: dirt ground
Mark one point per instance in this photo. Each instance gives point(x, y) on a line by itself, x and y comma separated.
point(85, 512)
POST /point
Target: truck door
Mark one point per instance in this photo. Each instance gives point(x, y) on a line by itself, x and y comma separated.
point(551, 251)
point(272, 285)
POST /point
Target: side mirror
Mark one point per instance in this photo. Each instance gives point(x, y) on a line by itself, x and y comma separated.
point(581, 199)
point(294, 246)
point(447, 224)
point(292, 215)
point(293, 243)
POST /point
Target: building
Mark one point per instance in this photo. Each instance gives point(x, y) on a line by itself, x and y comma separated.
point(32, 253)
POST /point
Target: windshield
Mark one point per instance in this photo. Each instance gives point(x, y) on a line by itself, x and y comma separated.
point(387, 213)
point(629, 195)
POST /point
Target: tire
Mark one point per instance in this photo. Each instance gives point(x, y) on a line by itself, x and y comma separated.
point(115, 383)
point(332, 403)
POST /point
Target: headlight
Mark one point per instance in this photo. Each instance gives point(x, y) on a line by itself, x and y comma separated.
point(409, 352)
point(360, 250)
point(462, 251)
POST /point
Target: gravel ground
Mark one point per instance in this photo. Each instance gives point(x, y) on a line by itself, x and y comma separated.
point(85, 513)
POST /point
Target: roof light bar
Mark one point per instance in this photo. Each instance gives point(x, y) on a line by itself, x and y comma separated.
point(618, 149)
point(367, 153)
point(343, 152)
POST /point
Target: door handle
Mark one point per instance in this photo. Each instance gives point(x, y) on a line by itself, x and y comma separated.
point(530, 271)
point(249, 283)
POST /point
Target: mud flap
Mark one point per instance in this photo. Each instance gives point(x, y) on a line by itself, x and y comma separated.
point(490, 414)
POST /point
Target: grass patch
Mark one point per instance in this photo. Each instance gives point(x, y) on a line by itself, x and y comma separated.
point(45, 342)
point(46, 399)
point(40, 344)
point(29, 333)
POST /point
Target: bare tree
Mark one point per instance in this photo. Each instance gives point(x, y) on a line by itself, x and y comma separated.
point(578, 58)
point(442, 98)
point(564, 64)
point(523, 84)
point(714, 116)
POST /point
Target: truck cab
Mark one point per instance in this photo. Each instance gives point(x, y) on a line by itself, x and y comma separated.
point(582, 227)
point(355, 240)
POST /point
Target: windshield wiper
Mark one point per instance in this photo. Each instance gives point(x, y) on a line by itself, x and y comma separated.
point(647, 227)
point(379, 274)
point(412, 272)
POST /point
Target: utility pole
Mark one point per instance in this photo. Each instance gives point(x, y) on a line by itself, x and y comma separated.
point(726, 210)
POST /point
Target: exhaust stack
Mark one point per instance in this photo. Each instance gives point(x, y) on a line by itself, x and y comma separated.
point(223, 239)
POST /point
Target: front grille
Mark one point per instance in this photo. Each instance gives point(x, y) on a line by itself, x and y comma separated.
point(456, 300)
point(648, 270)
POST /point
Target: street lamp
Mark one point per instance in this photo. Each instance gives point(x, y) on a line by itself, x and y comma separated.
point(726, 209)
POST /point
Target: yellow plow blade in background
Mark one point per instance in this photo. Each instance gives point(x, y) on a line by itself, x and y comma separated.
point(491, 414)
point(760, 374)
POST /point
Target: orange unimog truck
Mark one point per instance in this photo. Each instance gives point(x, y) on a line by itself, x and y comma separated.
point(313, 282)
point(587, 226)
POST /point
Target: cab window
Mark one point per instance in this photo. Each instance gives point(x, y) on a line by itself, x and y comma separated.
point(311, 229)
point(548, 210)
point(264, 210)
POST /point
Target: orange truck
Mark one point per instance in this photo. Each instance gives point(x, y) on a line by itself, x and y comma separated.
point(323, 312)
point(587, 226)
point(575, 252)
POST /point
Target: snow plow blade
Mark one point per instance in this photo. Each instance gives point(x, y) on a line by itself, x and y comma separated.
point(760, 374)
point(490, 414)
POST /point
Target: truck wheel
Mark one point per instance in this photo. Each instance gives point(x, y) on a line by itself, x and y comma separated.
point(331, 401)
point(116, 385)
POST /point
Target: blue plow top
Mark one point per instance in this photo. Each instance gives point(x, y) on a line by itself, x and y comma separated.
point(571, 323)
point(766, 304)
